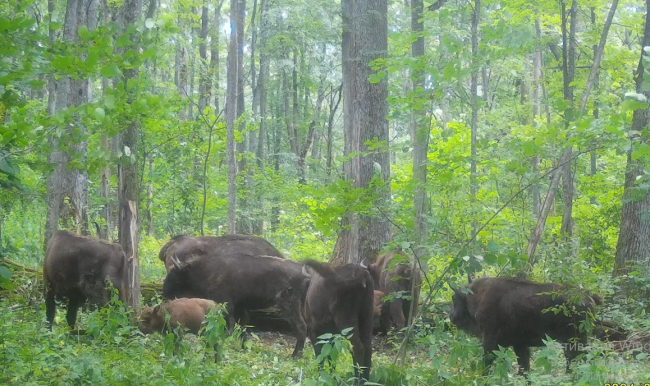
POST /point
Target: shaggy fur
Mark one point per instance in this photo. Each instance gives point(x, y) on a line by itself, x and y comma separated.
point(395, 313)
point(339, 298)
point(510, 312)
point(186, 313)
point(183, 247)
point(76, 268)
point(244, 282)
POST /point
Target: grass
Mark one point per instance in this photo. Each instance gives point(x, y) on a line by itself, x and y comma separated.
point(115, 353)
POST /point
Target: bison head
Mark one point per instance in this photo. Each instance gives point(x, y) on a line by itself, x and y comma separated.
point(151, 320)
point(177, 283)
point(460, 315)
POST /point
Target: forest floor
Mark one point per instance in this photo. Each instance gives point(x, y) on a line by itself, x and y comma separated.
point(113, 352)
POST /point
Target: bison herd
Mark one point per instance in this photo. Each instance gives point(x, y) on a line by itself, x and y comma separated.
point(248, 273)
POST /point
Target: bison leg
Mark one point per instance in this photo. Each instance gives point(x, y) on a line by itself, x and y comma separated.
point(291, 311)
point(74, 302)
point(384, 319)
point(570, 353)
point(489, 345)
point(50, 307)
point(397, 315)
point(523, 358)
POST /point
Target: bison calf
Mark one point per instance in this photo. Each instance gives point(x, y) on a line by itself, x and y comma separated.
point(186, 313)
point(76, 268)
point(512, 312)
point(339, 298)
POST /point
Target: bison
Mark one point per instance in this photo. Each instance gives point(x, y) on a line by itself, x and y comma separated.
point(185, 246)
point(187, 313)
point(76, 268)
point(339, 298)
point(376, 303)
point(393, 278)
point(519, 313)
point(244, 282)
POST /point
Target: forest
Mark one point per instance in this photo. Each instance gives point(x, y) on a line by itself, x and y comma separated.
point(469, 138)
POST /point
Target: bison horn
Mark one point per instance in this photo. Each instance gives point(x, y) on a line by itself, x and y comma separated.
point(176, 262)
point(363, 264)
point(305, 271)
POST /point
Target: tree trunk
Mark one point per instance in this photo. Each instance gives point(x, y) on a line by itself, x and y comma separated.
point(231, 116)
point(214, 55)
point(633, 244)
point(568, 70)
point(474, 104)
point(204, 73)
point(537, 112)
point(56, 157)
point(365, 38)
point(261, 84)
point(70, 178)
point(150, 231)
point(241, 107)
point(128, 175)
point(335, 100)
point(419, 130)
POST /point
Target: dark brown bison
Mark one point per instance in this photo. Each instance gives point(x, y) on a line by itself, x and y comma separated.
point(395, 278)
point(182, 247)
point(187, 313)
point(244, 282)
point(77, 268)
point(339, 298)
point(518, 313)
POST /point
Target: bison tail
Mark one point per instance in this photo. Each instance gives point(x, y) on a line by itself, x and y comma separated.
point(322, 269)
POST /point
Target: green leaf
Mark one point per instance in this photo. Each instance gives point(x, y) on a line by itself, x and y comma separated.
point(149, 23)
point(83, 32)
point(109, 101)
point(110, 70)
point(100, 114)
point(5, 272)
point(7, 168)
point(374, 78)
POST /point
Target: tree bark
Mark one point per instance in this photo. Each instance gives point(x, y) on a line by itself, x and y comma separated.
point(231, 116)
point(568, 70)
point(261, 84)
point(474, 105)
point(633, 244)
point(214, 54)
point(365, 38)
point(419, 130)
point(335, 100)
point(241, 106)
point(128, 175)
point(598, 55)
point(204, 73)
point(537, 112)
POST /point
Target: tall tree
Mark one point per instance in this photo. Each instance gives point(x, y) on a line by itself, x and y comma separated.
point(231, 115)
point(473, 184)
point(131, 13)
point(568, 75)
point(69, 177)
point(365, 108)
point(633, 244)
point(419, 125)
